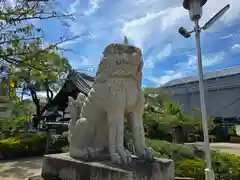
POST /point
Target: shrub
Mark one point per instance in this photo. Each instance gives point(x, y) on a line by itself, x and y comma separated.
point(57, 143)
point(22, 145)
point(189, 160)
point(30, 145)
point(226, 166)
point(193, 168)
point(164, 119)
point(12, 126)
point(173, 151)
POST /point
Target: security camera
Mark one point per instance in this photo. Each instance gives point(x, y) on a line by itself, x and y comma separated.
point(184, 32)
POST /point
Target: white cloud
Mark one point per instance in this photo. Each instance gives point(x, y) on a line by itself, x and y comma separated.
point(9, 3)
point(214, 6)
point(151, 25)
point(163, 23)
point(236, 48)
point(159, 27)
point(75, 28)
point(94, 5)
point(164, 53)
point(160, 23)
point(143, 21)
point(169, 75)
point(188, 67)
point(228, 36)
point(70, 42)
point(207, 60)
point(73, 6)
point(75, 40)
point(81, 13)
point(84, 65)
point(213, 59)
point(85, 62)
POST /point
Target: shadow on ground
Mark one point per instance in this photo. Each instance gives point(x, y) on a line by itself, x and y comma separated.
point(20, 169)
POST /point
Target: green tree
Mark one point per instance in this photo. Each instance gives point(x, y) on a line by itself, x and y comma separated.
point(162, 115)
point(24, 56)
point(19, 120)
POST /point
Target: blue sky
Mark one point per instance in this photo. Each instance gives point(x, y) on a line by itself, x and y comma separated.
point(153, 26)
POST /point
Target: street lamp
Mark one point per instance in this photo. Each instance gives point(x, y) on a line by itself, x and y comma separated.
point(195, 12)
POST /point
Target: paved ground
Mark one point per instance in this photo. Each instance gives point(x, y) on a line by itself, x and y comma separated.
point(224, 147)
point(23, 168)
point(227, 147)
point(20, 169)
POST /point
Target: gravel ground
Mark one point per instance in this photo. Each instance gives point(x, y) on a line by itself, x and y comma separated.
point(20, 169)
point(23, 168)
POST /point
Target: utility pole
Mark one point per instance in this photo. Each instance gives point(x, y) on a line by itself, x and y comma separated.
point(195, 12)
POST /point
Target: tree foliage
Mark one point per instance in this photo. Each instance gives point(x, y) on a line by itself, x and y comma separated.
point(162, 116)
point(19, 120)
point(24, 56)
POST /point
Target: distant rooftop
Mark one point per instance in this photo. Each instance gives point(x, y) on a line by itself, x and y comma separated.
point(75, 82)
point(208, 75)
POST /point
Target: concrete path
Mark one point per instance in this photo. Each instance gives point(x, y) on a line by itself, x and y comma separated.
point(227, 147)
point(20, 169)
point(224, 147)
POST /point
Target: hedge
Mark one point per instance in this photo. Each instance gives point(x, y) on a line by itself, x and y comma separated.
point(30, 145)
point(189, 161)
point(57, 143)
point(226, 167)
point(175, 151)
point(22, 146)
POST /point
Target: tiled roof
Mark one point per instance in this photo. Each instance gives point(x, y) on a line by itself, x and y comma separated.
point(83, 82)
point(209, 75)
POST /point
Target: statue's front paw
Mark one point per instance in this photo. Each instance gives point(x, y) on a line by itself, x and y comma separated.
point(85, 154)
point(147, 154)
point(116, 158)
point(91, 153)
point(125, 156)
point(129, 156)
point(79, 153)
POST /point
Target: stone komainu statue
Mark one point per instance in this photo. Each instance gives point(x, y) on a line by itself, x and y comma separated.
point(98, 119)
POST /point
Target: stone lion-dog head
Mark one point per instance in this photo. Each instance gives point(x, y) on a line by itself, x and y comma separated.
point(120, 61)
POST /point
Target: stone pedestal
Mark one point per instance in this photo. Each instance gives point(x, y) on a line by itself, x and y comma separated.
point(63, 167)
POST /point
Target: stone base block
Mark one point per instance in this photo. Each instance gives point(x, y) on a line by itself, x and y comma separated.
point(38, 177)
point(63, 167)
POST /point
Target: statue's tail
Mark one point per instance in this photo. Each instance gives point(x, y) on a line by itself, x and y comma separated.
point(75, 108)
